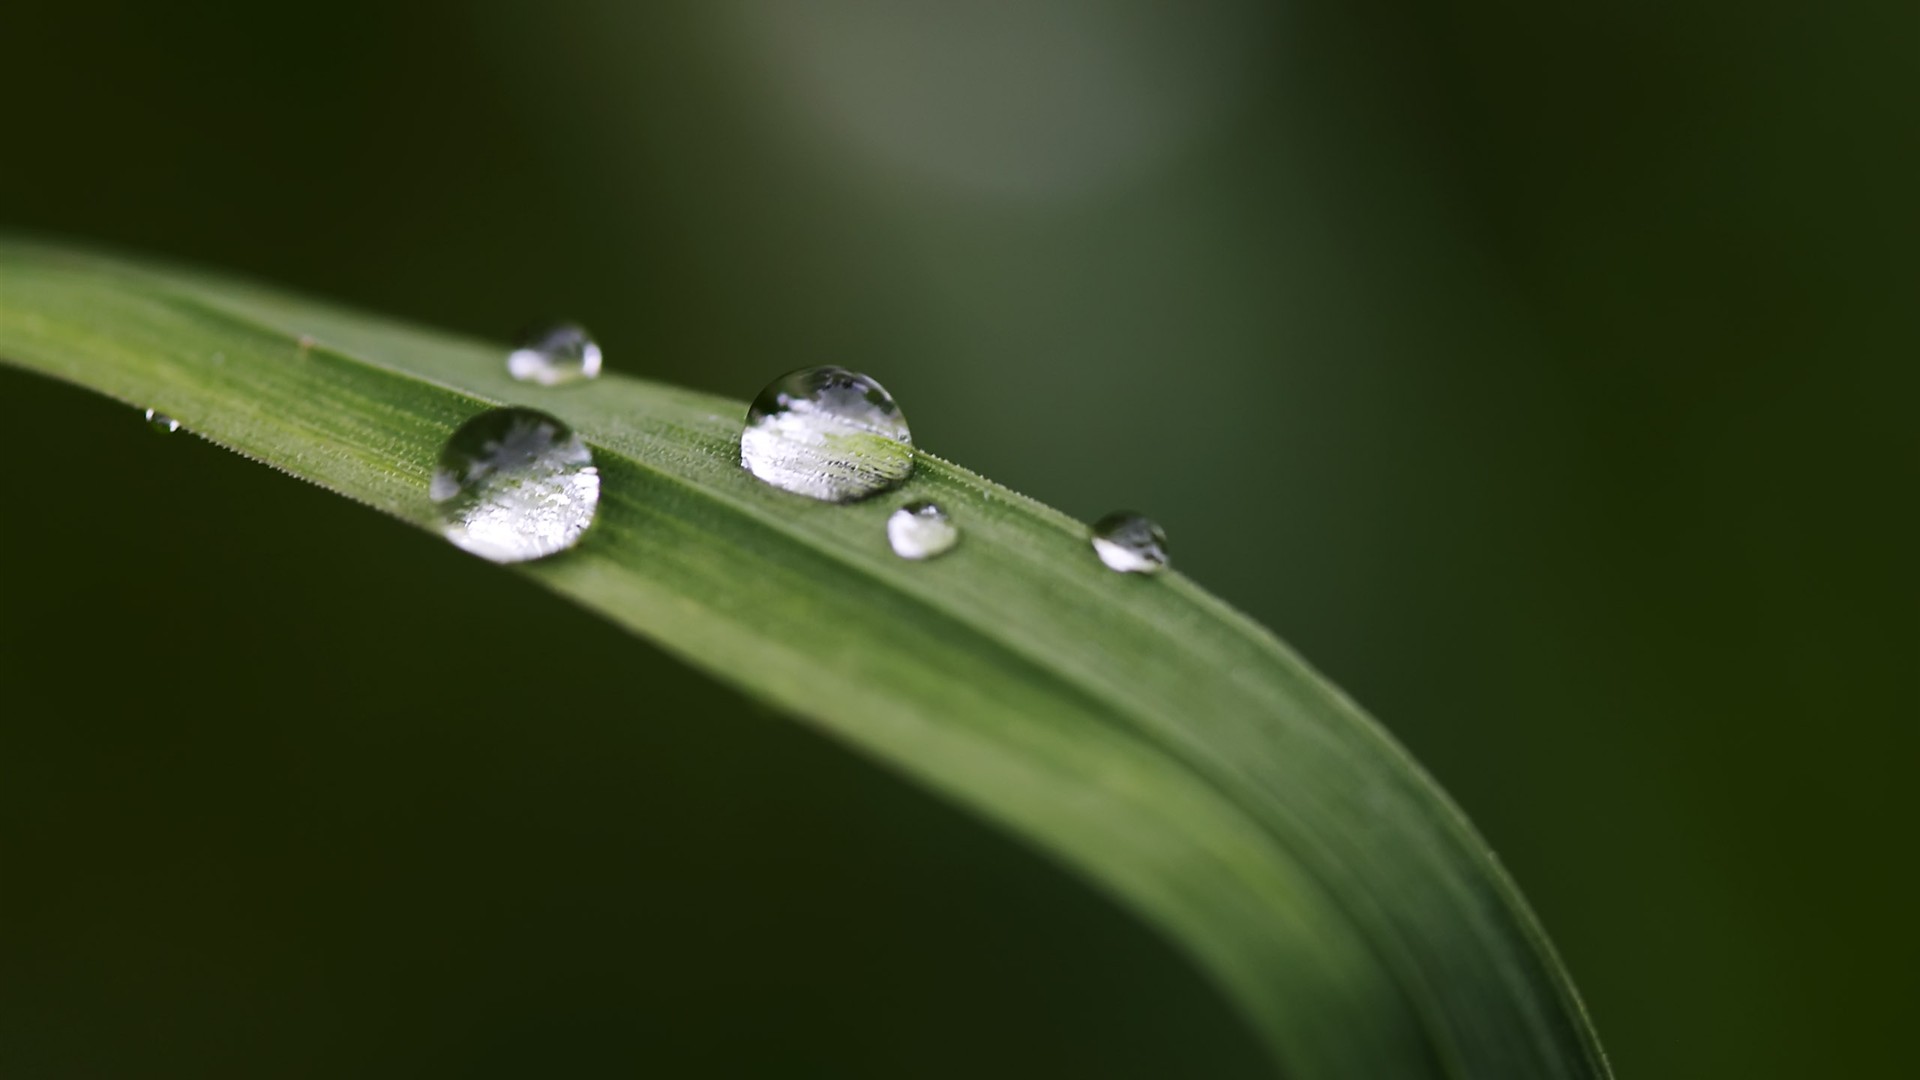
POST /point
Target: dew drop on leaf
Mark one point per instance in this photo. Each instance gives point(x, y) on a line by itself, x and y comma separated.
point(827, 433)
point(921, 530)
point(515, 484)
point(1130, 543)
point(161, 422)
point(553, 355)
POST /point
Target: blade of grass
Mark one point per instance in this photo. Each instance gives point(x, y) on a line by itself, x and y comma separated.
point(1139, 730)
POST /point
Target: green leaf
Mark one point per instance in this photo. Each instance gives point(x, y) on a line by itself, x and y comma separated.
point(1141, 731)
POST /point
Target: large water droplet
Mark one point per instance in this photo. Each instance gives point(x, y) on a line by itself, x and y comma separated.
point(161, 422)
point(921, 530)
point(552, 355)
point(827, 433)
point(1130, 543)
point(515, 484)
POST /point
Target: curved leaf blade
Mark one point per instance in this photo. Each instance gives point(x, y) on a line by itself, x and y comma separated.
point(1161, 744)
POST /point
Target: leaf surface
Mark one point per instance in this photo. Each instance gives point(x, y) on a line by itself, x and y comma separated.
point(1146, 735)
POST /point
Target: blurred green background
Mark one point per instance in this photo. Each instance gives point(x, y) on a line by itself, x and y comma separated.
point(1544, 373)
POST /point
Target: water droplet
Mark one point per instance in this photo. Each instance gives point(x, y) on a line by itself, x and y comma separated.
point(161, 422)
point(515, 484)
point(1130, 543)
point(827, 433)
point(921, 530)
point(552, 355)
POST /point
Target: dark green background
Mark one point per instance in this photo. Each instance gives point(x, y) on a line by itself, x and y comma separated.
point(1543, 372)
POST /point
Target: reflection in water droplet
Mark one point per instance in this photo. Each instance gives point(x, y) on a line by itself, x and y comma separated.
point(161, 422)
point(921, 530)
point(552, 355)
point(827, 433)
point(1130, 543)
point(515, 484)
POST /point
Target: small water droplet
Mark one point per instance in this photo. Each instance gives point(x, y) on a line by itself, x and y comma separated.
point(921, 530)
point(161, 422)
point(552, 355)
point(515, 484)
point(827, 433)
point(1130, 543)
